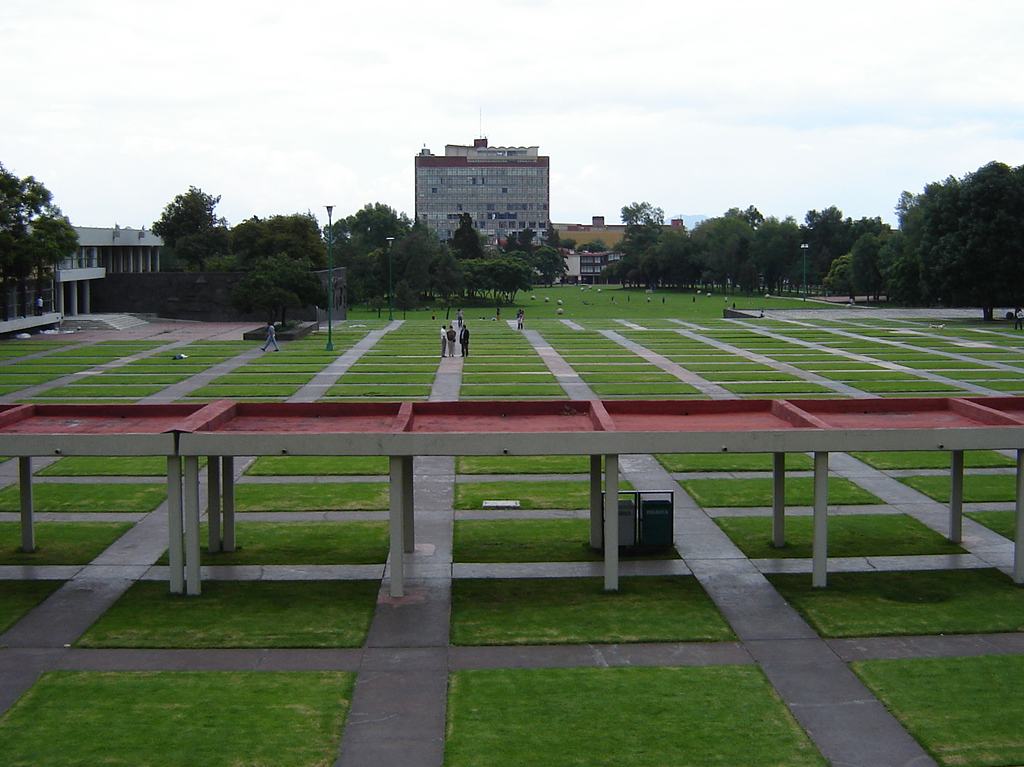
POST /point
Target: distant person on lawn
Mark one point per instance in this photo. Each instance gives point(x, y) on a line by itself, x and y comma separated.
point(444, 339)
point(271, 338)
point(451, 340)
point(464, 340)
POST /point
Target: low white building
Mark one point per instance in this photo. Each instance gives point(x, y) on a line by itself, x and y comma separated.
point(102, 250)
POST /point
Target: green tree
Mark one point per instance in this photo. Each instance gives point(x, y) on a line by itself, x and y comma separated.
point(865, 265)
point(297, 235)
point(594, 246)
point(446, 277)
point(828, 235)
point(644, 224)
point(551, 238)
point(405, 297)
point(275, 284)
point(465, 241)
point(775, 251)
point(34, 235)
point(548, 263)
point(838, 279)
point(191, 229)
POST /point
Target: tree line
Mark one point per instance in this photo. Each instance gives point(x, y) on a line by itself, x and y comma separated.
point(960, 242)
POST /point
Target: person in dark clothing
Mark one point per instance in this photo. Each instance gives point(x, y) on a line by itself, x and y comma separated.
point(464, 340)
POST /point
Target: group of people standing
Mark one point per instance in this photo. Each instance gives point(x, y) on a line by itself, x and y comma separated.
point(449, 335)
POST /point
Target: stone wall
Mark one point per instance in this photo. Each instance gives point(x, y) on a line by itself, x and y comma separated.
point(204, 296)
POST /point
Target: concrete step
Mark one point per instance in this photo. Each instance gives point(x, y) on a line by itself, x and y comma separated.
point(103, 322)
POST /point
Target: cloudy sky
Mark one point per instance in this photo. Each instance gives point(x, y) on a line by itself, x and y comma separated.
point(280, 107)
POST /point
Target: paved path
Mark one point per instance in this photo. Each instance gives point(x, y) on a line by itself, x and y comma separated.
point(703, 385)
point(575, 388)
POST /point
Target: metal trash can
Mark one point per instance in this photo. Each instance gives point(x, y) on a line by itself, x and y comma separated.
point(655, 522)
point(627, 520)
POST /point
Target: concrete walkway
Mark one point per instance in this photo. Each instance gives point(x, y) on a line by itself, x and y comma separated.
point(319, 384)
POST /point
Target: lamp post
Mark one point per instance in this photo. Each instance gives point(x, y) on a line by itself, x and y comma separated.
point(330, 282)
point(803, 249)
point(390, 292)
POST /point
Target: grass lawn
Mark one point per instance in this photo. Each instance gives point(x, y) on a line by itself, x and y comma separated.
point(523, 464)
point(609, 717)
point(318, 465)
point(130, 497)
point(731, 461)
point(108, 466)
point(342, 496)
point(758, 492)
point(302, 543)
point(529, 540)
point(124, 719)
point(858, 535)
point(18, 597)
point(901, 603)
point(965, 711)
point(239, 614)
point(59, 543)
point(557, 494)
point(578, 610)
point(933, 459)
point(1002, 522)
point(983, 488)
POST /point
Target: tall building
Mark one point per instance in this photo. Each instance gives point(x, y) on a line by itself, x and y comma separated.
point(506, 189)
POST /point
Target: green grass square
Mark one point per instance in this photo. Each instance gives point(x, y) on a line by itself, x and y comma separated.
point(301, 543)
point(108, 466)
point(607, 717)
point(530, 540)
point(978, 488)
point(849, 535)
point(18, 597)
point(904, 603)
point(932, 459)
point(555, 494)
point(966, 712)
point(693, 462)
point(523, 464)
point(239, 614)
point(577, 610)
point(318, 465)
point(178, 719)
point(59, 543)
point(711, 493)
point(1002, 522)
point(129, 497)
point(338, 496)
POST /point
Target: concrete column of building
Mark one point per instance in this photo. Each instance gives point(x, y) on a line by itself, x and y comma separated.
point(73, 298)
point(228, 502)
point(778, 500)
point(819, 577)
point(175, 531)
point(611, 523)
point(157, 259)
point(595, 502)
point(213, 520)
point(396, 519)
point(58, 297)
point(28, 530)
point(86, 297)
point(956, 496)
point(190, 514)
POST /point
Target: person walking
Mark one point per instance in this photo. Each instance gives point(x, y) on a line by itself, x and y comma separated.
point(464, 340)
point(520, 316)
point(39, 306)
point(451, 340)
point(271, 338)
point(1018, 319)
point(458, 318)
point(444, 339)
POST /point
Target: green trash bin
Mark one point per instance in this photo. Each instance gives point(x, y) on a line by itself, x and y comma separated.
point(655, 522)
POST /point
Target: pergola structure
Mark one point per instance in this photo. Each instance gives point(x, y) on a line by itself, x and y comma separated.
point(601, 429)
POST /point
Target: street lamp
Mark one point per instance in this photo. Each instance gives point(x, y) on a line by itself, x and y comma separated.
point(390, 301)
point(803, 249)
point(330, 282)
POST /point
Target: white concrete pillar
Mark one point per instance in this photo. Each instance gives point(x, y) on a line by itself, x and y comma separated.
point(158, 259)
point(1018, 539)
point(73, 298)
point(595, 502)
point(175, 551)
point(228, 502)
point(396, 519)
point(819, 578)
point(408, 524)
point(190, 507)
point(956, 496)
point(58, 297)
point(28, 530)
point(778, 500)
point(213, 524)
point(611, 523)
point(86, 297)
